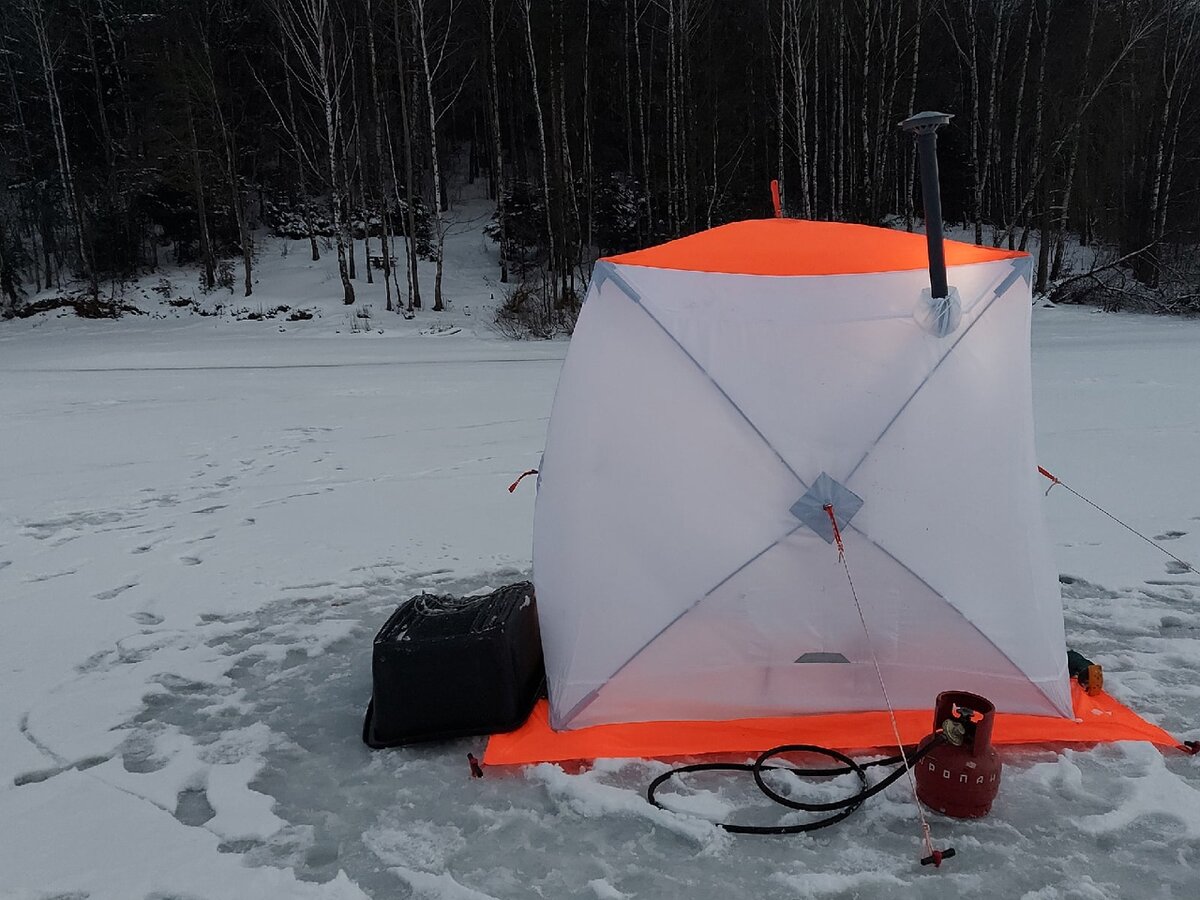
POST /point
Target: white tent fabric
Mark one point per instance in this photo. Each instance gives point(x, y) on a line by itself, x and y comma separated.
point(695, 408)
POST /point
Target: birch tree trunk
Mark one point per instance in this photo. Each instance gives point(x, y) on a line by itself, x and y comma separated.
point(628, 85)
point(37, 17)
point(683, 117)
point(1180, 57)
point(330, 80)
point(357, 176)
point(308, 26)
point(229, 157)
point(990, 136)
point(643, 132)
point(910, 167)
point(1014, 166)
point(497, 143)
point(206, 253)
point(970, 58)
point(588, 172)
point(1073, 157)
point(566, 169)
point(814, 193)
point(672, 125)
point(867, 175)
point(106, 137)
point(1039, 108)
point(884, 121)
point(414, 281)
point(541, 130)
point(239, 211)
point(30, 164)
point(839, 143)
point(798, 59)
point(385, 187)
point(778, 45)
point(301, 157)
point(439, 205)
point(118, 71)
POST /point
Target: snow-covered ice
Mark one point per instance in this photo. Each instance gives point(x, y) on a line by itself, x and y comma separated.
point(203, 523)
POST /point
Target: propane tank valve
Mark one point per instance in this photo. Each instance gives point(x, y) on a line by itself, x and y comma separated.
point(954, 731)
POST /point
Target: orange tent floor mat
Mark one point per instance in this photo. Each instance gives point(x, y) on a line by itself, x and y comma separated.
point(1097, 719)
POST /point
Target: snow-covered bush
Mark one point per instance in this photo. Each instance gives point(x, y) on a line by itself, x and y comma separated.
point(528, 312)
point(524, 227)
point(619, 206)
point(1165, 282)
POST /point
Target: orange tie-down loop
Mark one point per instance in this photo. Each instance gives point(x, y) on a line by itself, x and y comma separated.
point(837, 532)
point(512, 487)
point(1053, 479)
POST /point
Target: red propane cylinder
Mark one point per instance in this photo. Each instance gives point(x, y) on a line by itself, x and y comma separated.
point(961, 775)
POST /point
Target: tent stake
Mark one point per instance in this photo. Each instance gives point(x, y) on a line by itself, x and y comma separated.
point(923, 126)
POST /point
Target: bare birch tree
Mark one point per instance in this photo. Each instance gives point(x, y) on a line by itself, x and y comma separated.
point(432, 62)
point(320, 70)
point(542, 146)
point(36, 12)
point(497, 143)
point(411, 270)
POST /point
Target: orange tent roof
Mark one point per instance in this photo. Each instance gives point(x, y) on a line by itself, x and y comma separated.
point(800, 247)
point(1098, 719)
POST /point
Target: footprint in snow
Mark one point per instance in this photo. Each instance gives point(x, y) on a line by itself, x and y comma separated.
point(115, 592)
point(1170, 535)
point(36, 776)
point(1176, 568)
point(161, 500)
point(41, 531)
point(146, 618)
point(190, 560)
point(38, 579)
point(192, 807)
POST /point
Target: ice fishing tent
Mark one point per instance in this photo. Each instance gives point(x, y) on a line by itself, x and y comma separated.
point(719, 393)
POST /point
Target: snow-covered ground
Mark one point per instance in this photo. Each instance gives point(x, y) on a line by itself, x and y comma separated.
point(203, 522)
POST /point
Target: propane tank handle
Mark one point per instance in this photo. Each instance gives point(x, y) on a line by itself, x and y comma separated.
point(944, 709)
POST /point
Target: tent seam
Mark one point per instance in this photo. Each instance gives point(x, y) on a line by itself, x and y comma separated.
point(997, 292)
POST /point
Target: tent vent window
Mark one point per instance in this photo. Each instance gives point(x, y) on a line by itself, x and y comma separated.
point(822, 657)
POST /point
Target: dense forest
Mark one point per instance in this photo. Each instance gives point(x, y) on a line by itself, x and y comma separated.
point(136, 131)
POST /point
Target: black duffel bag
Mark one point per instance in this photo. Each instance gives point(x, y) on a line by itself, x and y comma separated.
point(446, 667)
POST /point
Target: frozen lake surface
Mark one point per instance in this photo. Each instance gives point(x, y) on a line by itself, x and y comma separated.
point(201, 528)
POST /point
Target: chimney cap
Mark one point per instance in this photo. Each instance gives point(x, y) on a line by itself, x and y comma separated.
point(925, 122)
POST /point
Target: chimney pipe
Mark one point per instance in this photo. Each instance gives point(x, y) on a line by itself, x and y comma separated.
point(923, 126)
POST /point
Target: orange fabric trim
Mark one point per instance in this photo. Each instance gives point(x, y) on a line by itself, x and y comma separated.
point(800, 247)
point(1097, 719)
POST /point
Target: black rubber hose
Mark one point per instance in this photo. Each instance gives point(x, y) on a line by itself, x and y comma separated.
point(840, 808)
